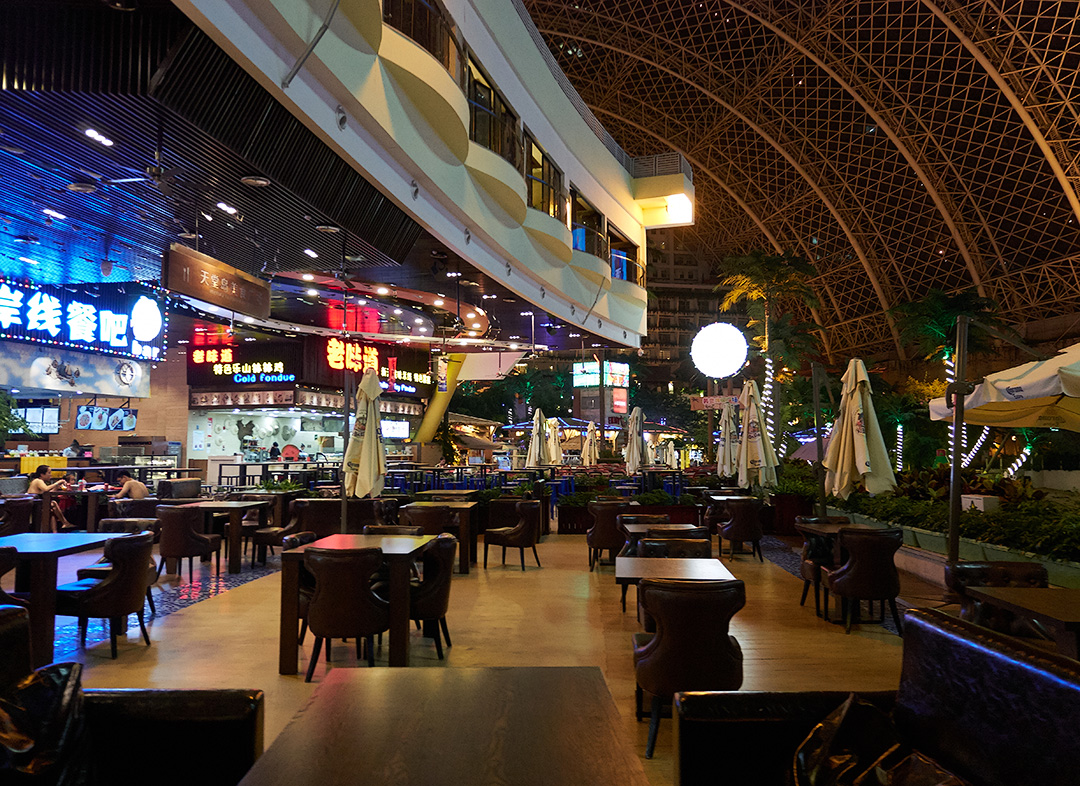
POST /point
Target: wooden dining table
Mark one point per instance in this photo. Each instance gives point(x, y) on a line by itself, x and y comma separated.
point(824, 537)
point(631, 570)
point(636, 532)
point(399, 552)
point(236, 510)
point(467, 531)
point(526, 726)
point(1058, 609)
point(39, 558)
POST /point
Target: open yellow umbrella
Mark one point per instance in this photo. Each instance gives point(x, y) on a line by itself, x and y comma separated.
point(757, 459)
point(857, 451)
point(364, 463)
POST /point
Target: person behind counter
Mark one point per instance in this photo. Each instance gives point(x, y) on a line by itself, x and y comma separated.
point(275, 452)
point(39, 484)
point(131, 488)
point(73, 450)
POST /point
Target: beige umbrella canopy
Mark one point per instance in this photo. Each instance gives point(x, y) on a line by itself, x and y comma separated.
point(757, 459)
point(671, 455)
point(727, 449)
point(538, 454)
point(554, 448)
point(590, 452)
point(857, 451)
point(635, 442)
point(364, 463)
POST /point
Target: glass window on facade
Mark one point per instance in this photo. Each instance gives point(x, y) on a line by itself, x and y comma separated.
point(544, 181)
point(492, 123)
point(624, 259)
point(589, 227)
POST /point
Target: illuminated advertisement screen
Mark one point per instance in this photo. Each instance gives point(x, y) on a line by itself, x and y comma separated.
point(114, 319)
point(586, 374)
point(261, 363)
point(619, 400)
point(91, 418)
point(41, 420)
point(395, 429)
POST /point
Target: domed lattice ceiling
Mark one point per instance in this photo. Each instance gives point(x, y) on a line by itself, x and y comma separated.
point(901, 146)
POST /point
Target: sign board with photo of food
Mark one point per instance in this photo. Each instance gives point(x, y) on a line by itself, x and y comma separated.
point(90, 418)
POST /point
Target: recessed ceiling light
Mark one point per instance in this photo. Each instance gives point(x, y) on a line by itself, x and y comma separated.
point(99, 137)
point(14, 390)
point(361, 302)
point(313, 291)
point(249, 320)
point(471, 315)
point(472, 332)
point(226, 208)
point(308, 277)
point(437, 303)
point(397, 311)
point(382, 291)
point(206, 215)
point(418, 320)
point(255, 181)
point(476, 324)
point(329, 229)
point(423, 330)
point(311, 253)
point(28, 260)
point(513, 346)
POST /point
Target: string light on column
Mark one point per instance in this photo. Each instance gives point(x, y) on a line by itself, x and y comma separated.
point(767, 399)
point(1014, 468)
point(978, 444)
point(950, 377)
point(899, 447)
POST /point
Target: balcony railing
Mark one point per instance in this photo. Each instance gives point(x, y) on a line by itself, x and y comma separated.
point(499, 133)
point(425, 23)
point(591, 241)
point(546, 198)
point(627, 269)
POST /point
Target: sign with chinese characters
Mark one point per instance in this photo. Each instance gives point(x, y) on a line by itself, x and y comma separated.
point(587, 375)
point(262, 363)
point(35, 366)
point(396, 375)
point(699, 403)
point(187, 272)
point(114, 319)
point(242, 398)
point(320, 398)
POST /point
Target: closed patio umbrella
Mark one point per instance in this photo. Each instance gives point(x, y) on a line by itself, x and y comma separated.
point(857, 451)
point(590, 452)
point(727, 449)
point(757, 459)
point(554, 447)
point(671, 456)
point(538, 454)
point(365, 457)
point(636, 455)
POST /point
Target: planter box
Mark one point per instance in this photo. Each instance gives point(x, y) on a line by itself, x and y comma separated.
point(677, 514)
point(573, 520)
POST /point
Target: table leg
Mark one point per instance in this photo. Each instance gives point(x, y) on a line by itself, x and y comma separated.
point(464, 543)
point(42, 609)
point(399, 611)
point(625, 586)
point(235, 540)
point(92, 500)
point(288, 636)
point(44, 516)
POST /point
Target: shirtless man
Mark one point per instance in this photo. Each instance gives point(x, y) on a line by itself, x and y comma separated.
point(132, 489)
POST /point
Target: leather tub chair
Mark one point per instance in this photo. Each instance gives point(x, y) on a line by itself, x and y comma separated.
point(145, 508)
point(343, 604)
point(605, 534)
point(433, 520)
point(678, 548)
point(115, 596)
point(869, 573)
point(9, 560)
point(691, 648)
point(814, 556)
point(430, 599)
point(745, 525)
point(180, 489)
point(17, 515)
point(102, 568)
point(180, 537)
point(323, 516)
point(521, 537)
point(961, 575)
point(626, 519)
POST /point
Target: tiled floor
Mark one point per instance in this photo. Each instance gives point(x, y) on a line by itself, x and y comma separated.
point(556, 615)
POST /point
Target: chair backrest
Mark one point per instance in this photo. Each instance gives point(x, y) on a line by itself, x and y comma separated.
point(343, 604)
point(683, 548)
point(15, 646)
point(17, 515)
point(432, 520)
point(123, 590)
point(605, 532)
point(178, 529)
point(179, 488)
point(502, 511)
point(691, 649)
point(529, 517)
point(870, 571)
point(323, 516)
point(651, 519)
point(695, 533)
point(15, 485)
point(145, 508)
point(988, 707)
point(9, 560)
point(745, 521)
point(431, 599)
point(392, 529)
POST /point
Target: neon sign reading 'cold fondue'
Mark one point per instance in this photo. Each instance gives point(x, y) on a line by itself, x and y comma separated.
point(342, 355)
point(220, 362)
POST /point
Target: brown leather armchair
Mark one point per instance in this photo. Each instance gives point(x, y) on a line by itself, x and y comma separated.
point(521, 537)
point(430, 599)
point(343, 604)
point(624, 520)
point(180, 488)
point(145, 508)
point(605, 533)
point(103, 567)
point(433, 520)
point(816, 553)
point(745, 525)
point(680, 548)
point(180, 537)
point(691, 649)
point(17, 515)
point(9, 560)
point(961, 575)
point(117, 595)
point(323, 516)
point(869, 573)
point(393, 529)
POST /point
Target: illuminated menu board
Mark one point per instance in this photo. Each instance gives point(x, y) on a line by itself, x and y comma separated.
point(260, 363)
point(587, 375)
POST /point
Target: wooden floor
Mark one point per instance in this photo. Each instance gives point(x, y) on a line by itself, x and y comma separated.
point(552, 616)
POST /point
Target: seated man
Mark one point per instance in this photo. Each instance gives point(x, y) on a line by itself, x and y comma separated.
point(131, 488)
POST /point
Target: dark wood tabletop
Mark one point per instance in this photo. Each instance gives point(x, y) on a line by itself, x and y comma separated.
point(236, 510)
point(221, 505)
point(521, 726)
point(467, 529)
point(39, 557)
point(1058, 609)
point(399, 551)
point(633, 569)
point(828, 529)
point(447, 493)
point(643, 529)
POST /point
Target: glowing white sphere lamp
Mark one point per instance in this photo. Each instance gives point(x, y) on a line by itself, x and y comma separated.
point(719, 350)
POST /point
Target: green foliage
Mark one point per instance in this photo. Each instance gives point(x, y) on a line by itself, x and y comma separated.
point(929, 325)
point(544, 388)
point(590, 482)
point(577, 499)
point(662, 498)
point(444, 438)
point(765, 279)
point(9, 421)
point(287, 485)
point(796, 477)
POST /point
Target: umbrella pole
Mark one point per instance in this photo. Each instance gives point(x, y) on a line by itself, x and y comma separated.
point(816, 375)
point(345, 432)
point(958, 390)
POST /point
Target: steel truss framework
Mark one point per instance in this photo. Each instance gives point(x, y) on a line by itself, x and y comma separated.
point(901, 145)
